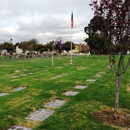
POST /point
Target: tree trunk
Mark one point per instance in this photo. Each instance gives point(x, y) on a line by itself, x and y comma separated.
point(52, 59)
point(117, 97)
point(119, 76)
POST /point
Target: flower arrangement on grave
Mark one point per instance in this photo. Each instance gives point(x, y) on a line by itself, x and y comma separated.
point(82, 61)
point(80, 67)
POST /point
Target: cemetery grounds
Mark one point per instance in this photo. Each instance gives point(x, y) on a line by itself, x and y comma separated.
point(28, 85)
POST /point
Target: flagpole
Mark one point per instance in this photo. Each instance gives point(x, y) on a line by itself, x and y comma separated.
point(71, 48)
point(72, 23)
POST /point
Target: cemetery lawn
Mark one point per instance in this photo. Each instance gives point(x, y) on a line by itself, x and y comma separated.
point(43, 83)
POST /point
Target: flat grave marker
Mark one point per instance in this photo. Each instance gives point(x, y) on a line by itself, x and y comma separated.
point(23, 74)
point(40, 114)
point(24, 69)
point(18, 128)
point(97, 75)
point(102, 72)
point(91, 80)
point(57, 76)
point(17, 71)
point(80, 87)
point(19, 88)
point(55, 103)
point(3, 94)
point(59, 67)
point(46, 70)
point(30, 73)
point(13, 77)
point(70, 93)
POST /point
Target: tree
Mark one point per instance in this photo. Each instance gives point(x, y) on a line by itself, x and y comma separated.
point(59, 46)
point(33, 41)
point(39, 48)
point(116, 14)
point(67, 46)
point(17, 44)
point(98, 43)
point(1, 46)
point(94, 26)
point(24, 45)
point(8, 46)
point(49, 46)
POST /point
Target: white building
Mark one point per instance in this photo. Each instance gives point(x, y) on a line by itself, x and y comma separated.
point(18, 50)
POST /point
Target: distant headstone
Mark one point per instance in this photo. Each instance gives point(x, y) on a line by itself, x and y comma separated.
point(91, 80)
point(80, 87)
point(46, 70)
point(59, 67)
point(18, 128)
point(23, 74)
point(19, 88)
point(98, 75)
point(17, 71)
point(30, 73)
point(24, 69)
point(3, 94)
point(57, 76)
point(40, 114)
point(102, 72)
point(70, 93)
point(55, 103)
point(13, 77)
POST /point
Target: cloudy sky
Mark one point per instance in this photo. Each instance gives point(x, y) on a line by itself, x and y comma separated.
point(44, 20)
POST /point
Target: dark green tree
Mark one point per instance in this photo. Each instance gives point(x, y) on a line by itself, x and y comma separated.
point(99, 44)
point(49, 46)
point(96, 25)
point(33, 41)
point(8, 46)
point(67, 46)
point(39, 48)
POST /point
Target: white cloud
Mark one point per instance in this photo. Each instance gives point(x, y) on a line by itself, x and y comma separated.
point(45, 20)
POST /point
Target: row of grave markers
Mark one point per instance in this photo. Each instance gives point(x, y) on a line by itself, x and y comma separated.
point(14, 89)
point(17, 76)
point(13, 77)
point(42, 114)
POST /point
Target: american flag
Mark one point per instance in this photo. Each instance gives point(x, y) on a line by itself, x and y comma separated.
point(72, 20)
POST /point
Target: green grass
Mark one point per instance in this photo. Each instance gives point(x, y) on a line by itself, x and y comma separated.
point(78, 112)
